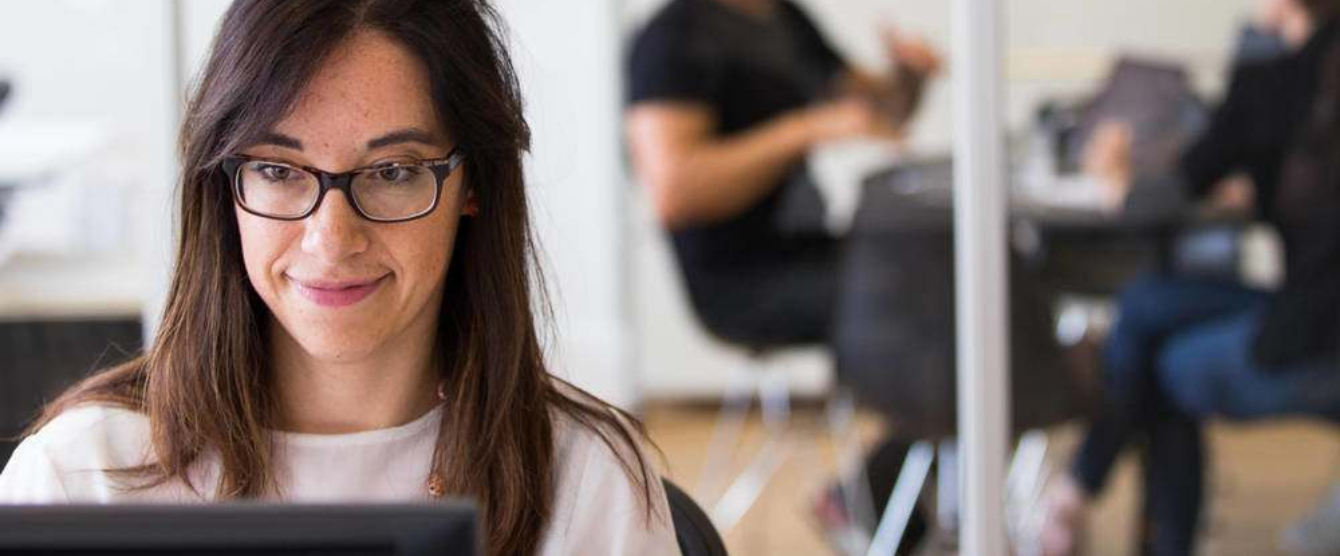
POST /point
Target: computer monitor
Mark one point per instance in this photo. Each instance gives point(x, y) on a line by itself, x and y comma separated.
point(448, 529)
point(1156, 102)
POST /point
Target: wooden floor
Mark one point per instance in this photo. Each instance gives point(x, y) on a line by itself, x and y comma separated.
point(1263, 476)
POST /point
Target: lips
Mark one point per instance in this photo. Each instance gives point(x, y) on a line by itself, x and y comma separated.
point(337, 293)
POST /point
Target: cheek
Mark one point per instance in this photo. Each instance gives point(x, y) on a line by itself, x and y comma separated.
point(438, 239)
point(424, 251)
point(263, 242)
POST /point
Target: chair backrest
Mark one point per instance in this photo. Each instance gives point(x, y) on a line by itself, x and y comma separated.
point(693, 529)
point(894, 335)
point(38, 360)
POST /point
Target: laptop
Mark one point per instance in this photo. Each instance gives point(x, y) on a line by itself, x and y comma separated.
point(449, 529)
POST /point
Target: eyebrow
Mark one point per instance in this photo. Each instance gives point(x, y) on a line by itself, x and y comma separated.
point(280, 140)
point(407, 135)
point(398, 137)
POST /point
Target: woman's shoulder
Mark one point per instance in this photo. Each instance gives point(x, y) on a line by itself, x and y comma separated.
point(608, 493)
point(66, 460)
point(611, 440)
point(107, 430)
point(578, 439)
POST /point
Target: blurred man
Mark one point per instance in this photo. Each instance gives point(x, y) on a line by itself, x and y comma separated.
point(727, 97)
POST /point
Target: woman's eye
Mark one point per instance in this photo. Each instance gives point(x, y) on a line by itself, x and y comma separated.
point(276, 173)
point(394, 174)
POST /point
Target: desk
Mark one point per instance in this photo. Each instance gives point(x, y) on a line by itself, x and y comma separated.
point(896, 317)
point(56, 288)
point(1077, 250)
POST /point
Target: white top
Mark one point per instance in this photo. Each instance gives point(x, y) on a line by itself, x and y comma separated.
point(597, 510)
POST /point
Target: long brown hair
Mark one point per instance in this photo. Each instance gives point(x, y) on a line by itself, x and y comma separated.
point(1321, 11)
point(205, 382)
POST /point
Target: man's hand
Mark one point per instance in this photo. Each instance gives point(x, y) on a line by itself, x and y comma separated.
point(849, 118)
point(1235, 194)
point(910, 53)
point(1107, 158)
point(1289, 18)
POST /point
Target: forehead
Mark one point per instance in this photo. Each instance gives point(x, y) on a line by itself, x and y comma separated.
point(368, 86)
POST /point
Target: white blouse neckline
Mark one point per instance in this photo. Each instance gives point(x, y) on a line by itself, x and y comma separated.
point(377, 436)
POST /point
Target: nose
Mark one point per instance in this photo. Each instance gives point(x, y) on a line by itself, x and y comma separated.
point(334, 232)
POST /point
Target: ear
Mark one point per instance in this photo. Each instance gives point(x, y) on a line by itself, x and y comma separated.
point(471, 207)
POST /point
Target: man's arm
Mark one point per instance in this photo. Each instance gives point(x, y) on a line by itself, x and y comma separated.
point(697, 177)
point(898, 95)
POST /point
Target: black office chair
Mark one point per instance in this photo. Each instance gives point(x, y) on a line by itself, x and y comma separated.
point(38, 360)
point(895, 347)
point(693, 529)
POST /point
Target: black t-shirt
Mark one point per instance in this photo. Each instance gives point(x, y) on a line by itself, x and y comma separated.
point(747, 70)
point(1261, 128)
point(1266, 104)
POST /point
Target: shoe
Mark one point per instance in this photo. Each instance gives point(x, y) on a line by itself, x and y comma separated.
point(843, 533)
point(1067, 505)
point(1318, 533)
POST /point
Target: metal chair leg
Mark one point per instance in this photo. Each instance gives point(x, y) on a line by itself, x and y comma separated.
point(853, 480)
point(1024, 484)
point(1025, 480)
point(898, 512)
point(946, 486)
point(775, 401)
point(739, 397)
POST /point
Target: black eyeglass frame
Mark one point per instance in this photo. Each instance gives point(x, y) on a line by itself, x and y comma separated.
point(442, 168)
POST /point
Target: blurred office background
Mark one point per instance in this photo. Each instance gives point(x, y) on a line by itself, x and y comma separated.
point(87, 170)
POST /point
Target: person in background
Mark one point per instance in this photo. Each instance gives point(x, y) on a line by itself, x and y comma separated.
point(350, 318)
point(726, 99)
point(1185, 349)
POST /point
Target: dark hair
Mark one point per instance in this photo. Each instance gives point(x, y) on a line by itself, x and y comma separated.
point(1306, 195)
point(205, 383)
point(1322, 11)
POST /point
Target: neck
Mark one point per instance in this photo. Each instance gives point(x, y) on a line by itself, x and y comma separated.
point(758, 8)
point(391, 387)
point(1297, 28)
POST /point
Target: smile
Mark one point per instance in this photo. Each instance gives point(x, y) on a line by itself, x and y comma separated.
point(337, 294)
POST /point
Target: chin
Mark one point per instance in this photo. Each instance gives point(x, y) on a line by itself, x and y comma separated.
point(335, 340)
point(337, 350)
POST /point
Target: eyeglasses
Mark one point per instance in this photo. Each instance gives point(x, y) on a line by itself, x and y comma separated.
point(391, 192)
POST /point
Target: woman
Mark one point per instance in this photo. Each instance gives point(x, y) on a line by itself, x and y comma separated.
point(1184, 349)
point(378, 317)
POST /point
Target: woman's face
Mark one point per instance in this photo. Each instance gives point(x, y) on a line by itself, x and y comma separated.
point(342, 287)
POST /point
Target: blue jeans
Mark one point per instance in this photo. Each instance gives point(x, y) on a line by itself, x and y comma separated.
point(1180, 352)
point(1209, 371)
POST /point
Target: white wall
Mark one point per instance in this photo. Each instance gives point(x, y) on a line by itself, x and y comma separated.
point(568, 57)
point(106, 65)
point(95, 62)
